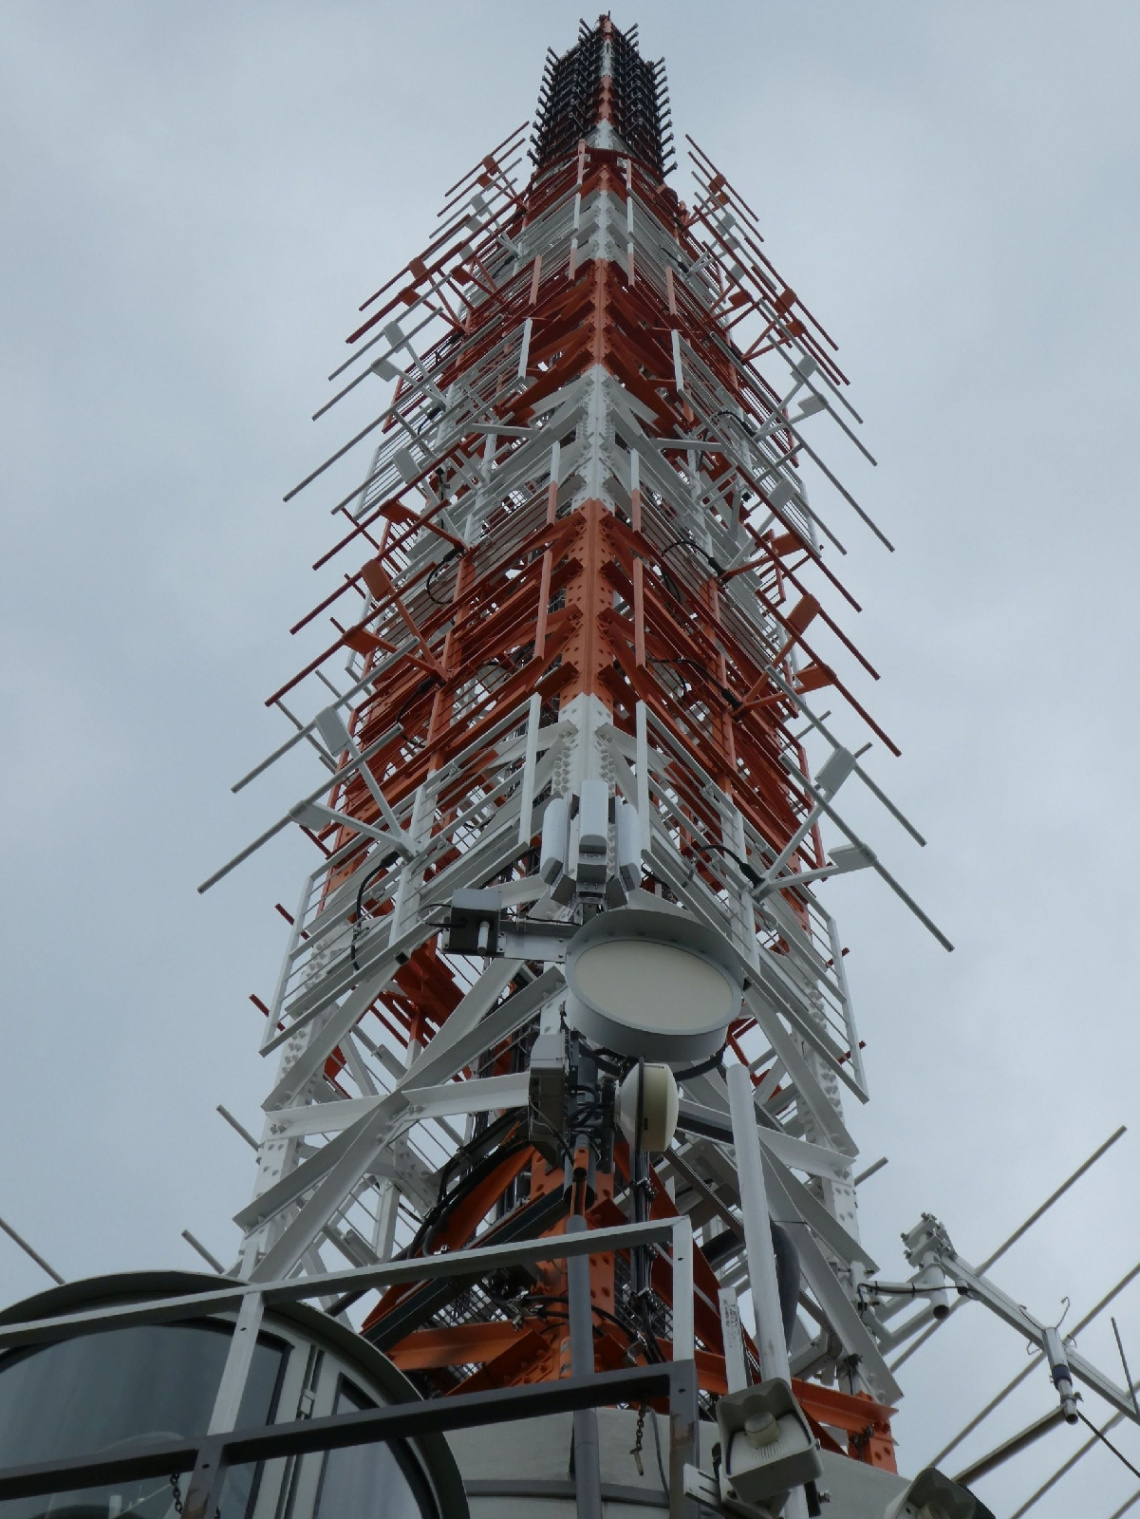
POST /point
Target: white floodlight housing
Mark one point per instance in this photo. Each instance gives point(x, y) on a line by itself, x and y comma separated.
point(473, 923)
point(934, 1496)
point(767, 1448)
point(647, 1098)
point(652, 981)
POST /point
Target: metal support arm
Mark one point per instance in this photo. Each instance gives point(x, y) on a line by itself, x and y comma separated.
point(964, 1276)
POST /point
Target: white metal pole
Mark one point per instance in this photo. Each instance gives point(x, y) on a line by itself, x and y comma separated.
point(757, 1228)
point(683, 1312)
point(526, 803)
point(735, 1370)
point(239, 1359)
point(769, 1321)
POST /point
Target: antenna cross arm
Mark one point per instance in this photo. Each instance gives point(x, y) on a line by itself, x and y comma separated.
point(977, 1286)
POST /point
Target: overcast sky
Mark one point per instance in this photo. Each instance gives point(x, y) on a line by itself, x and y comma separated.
point(194, 200)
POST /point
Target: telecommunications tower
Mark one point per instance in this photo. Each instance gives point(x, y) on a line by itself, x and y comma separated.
point(562, 1041)
point(583, 614)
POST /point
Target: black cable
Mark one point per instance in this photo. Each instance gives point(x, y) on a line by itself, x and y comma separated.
point(357, 916)
point(479, 1145)
point(447, 558)
point(1120, 1456)
point(649, 1334)
point(603, 1313)
point(730, 697)
point(711, 1064)
point(425, 1235)
point(486, 1162)
point(559, 1139)
point(368, 879)
point(724, 412)
point(616, 1065)
point(683, 542)
point(422, 689)
point(750, 874)
point(691, 543)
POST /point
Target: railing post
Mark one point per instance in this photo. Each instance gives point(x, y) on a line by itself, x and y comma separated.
point(683, 1327)
point(684, 1436)
point(203, 1497)
point(587, 1453)
point(227, 1403)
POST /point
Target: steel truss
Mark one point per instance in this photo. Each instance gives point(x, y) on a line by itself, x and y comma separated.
point(581, 549)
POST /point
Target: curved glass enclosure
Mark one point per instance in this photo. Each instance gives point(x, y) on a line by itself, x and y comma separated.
point(102, 1390)
point(351, 1480)
point(87, 1395)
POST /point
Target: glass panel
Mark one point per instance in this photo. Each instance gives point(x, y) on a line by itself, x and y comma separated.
point(98, 1391)
point(371, 1481)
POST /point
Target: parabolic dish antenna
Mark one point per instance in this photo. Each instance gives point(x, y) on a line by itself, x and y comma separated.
point(652, 982)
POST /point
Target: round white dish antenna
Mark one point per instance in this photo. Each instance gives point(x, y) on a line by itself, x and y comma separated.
point(652, 981)
point(647, 1100)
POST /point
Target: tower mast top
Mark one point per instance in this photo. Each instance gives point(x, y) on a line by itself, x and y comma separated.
point(603, 93)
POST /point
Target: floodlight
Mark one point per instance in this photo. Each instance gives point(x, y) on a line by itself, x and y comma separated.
point(934, 1496)
point(767, 1447)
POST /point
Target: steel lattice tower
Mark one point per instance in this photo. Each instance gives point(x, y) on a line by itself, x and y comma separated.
point(562, 1038)
point(580, 569)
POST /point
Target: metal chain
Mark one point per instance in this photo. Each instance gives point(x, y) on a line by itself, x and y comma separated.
point(176, 1495)
point(636, 1451)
